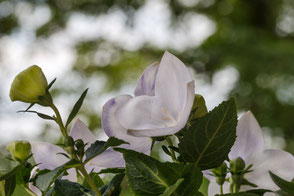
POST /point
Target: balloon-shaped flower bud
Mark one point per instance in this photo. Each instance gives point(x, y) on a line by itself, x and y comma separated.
point(19, 150)
point(29, 85)
point(237, 165)
point(220, 174)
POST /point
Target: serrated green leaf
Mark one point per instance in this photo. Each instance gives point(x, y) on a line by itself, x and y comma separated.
point(148, 176)
point(113, 187)
point(283, 184)
point(112, 171)
point(169, 191)
point(209, 139)
point(100, 146)
point(45, 178)
point(76, 107)
point(10, 184)
point(65, 187)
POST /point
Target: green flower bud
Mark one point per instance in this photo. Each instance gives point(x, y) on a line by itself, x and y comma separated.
point(80, 144)
point(237, 165)
point(220, 180)
point(29, 85)
point(220, 173)
point(69, 141)
point(19, 150)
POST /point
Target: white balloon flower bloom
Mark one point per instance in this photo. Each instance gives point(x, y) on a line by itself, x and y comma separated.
point(49, 156)
point(162, 104)
point(249, 145)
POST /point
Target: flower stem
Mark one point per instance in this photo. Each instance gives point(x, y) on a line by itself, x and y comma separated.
point(59, 120)
point(2, 188)
point(231, 188)
point(89, 180)
point(221, 189)
point(173, 154)
point(237, 188)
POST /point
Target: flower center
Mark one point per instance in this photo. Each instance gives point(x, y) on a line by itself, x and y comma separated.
point(167, 116)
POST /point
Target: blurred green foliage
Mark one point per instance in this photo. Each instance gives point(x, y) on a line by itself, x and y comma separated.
point(254, 36)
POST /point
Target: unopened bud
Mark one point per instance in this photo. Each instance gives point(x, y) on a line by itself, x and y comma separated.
point(80, 144)
point(29, 85)
point(68, 141)
point(237, 165)
point(19, 150)
point(220, 173)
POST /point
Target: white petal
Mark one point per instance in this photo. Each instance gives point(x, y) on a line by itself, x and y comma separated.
point(144, 112)
point(249, 138)
point(72, 175)
point(279, 162)
point(31, 186)
point(112, 126)
point(167, 111)
point(34, 189)
point(214, 188)
point(171, 84)
point(81, 131)
point(146, 83)
point(110, 123)
point(108, 159)
point(171, 126)
point(208, 175)
point(45, 154)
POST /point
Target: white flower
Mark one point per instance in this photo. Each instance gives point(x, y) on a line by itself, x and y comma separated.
point(163, 100)
point(48, 155)
point(249, 145)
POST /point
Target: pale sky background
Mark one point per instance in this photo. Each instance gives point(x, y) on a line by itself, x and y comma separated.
point(55, 55)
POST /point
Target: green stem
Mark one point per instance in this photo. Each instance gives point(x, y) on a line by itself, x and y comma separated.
point(89, 180)
point(59, 120)
point(237, 188)
point(2, 188)
point(173, 154)
point(221, 189)
point(231, 188)
point(29, 191)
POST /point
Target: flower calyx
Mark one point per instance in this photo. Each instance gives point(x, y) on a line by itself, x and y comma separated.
point(238, 169)
point(220, 173)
